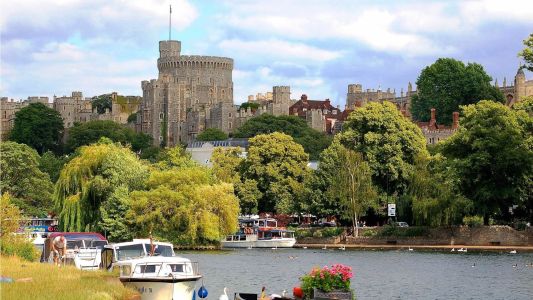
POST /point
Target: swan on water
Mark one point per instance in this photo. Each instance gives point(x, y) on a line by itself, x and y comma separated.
point(225, 296)
point(342, 248)
point(453, 250)
point(513, 252)
point(410, 249)
point(325, 247)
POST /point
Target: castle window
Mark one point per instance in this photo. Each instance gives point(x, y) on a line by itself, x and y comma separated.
point(334, 112)
point(161, 116)
point(229, 125)
point(230, 115)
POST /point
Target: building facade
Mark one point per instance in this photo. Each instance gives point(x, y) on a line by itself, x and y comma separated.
point(519, 89)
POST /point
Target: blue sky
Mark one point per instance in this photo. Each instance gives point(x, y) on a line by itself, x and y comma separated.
point(317, 47)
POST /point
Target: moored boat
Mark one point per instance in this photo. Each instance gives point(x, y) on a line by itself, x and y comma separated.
point(152, 268)
point(159, 277)
point(83, 249)
point(260, 233)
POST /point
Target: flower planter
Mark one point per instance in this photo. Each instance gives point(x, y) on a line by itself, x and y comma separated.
point(335, 294)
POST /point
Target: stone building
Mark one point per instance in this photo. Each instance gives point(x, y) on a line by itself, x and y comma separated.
point(193, 93)
point(187, 88)
point(520, 88)
point(73, 108)
point(320, 115)
point(356, 97)
point(434, 132)
point(8, 109)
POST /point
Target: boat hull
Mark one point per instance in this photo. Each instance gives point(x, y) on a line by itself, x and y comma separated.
point(161, 288)
point(275, 243)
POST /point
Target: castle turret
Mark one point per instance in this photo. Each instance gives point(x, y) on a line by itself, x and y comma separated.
point(353, 97)
point(281, 99)
point(169, 48)
point(520, 84)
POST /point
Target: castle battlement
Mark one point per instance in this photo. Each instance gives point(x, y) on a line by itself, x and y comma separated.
point(195, 61)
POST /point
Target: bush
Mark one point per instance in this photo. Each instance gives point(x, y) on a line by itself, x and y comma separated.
point(19, 246)
point(303, 233)
point(370, 232)
point(331, 232)
point(327, 279)
point(473, 221)
point(395, 231)
point(317, 234)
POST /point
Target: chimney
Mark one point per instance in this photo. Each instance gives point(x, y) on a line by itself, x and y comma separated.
point(433, 120)
point(455, 123)
point(303, 98)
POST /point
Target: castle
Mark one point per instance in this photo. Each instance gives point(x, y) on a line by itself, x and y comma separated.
point(193, 93)
point(72, 109)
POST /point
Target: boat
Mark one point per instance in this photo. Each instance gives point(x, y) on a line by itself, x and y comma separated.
point(259, 233)
point(37, 230)
point(137, 248)
point(152, 268)
point(83, 249)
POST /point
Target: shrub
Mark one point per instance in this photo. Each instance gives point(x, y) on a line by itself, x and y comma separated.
point(473, 221)
point(20, 247)
point(317, 233)
point(331, 232)
point(395, 231)
point(327, 279)
point(369, 232)
point(303, 233)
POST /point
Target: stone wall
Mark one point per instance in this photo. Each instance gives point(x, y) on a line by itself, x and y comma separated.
point(477, 236)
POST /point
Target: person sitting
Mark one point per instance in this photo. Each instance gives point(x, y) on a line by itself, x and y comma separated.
point(59, 248)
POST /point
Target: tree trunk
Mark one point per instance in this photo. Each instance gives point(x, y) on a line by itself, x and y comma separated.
point(356, 225)
point(486, 219)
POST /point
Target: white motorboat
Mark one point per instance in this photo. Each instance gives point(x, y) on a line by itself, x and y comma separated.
point(83, 249)
point(152, 269)
point(260, 233)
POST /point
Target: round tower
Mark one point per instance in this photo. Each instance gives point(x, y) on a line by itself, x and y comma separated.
point(169, 48)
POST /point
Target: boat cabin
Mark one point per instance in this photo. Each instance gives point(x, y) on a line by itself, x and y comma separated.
point(132, 250)
point(83, 249)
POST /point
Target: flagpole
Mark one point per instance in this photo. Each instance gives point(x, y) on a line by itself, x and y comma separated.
point(170, 23)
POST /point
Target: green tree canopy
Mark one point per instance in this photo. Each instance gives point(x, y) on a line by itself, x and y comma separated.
point(492, 154)
point(20, 176)
point(249, 105)
point(132, 118)
point(312, 141)
point(185, 205)
point(388, 141)
point(90, 132)
point(278, 165)
point(527, 53)
point(38, 126)
point(90, 179)
point(212, 134)
point(433, 193)
point(447, 84)
point(101, 103)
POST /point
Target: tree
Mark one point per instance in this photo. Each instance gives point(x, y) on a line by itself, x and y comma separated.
point(227, 163)
point(279, 166)
point(132, 118)
point(249, 105)
point(39, 127)
point(185, 205)
point(353, 186)
point(102, 103)
point(21, 177)
point(527, 53)
point(90, 179)
point(90, 132)
point(388, 141)
point(433, 193)
point(212, 134)
point(51, 164)
point(312, 141)
point(492, 154)
point(447, 84)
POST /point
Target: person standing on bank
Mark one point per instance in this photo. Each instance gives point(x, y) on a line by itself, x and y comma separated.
point(59, 248)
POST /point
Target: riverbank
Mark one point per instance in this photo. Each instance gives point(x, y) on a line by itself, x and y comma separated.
point(446, 248)
point(33, 280)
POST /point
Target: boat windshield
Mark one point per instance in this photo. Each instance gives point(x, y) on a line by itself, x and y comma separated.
point(130, 251)
point(161, 250)
point(97, 244)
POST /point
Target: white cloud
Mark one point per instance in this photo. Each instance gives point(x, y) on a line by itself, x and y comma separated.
point(277, 49)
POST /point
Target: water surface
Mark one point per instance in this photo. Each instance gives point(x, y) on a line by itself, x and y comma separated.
point(397, 274)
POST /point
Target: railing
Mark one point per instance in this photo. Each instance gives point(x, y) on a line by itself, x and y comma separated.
point(164, 269)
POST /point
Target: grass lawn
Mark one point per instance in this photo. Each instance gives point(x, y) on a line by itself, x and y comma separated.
point(52, 282)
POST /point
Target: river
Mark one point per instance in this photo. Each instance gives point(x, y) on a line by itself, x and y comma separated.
point(398, 274)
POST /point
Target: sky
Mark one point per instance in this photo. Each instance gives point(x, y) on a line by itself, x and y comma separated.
point(54, 47)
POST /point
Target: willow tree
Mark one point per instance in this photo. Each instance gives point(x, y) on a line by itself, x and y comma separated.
point(90, 179)
point(185, 205)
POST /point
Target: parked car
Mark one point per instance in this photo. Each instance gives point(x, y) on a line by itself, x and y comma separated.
point(402, 224)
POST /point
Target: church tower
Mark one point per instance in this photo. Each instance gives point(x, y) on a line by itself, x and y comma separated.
point(520, 84)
